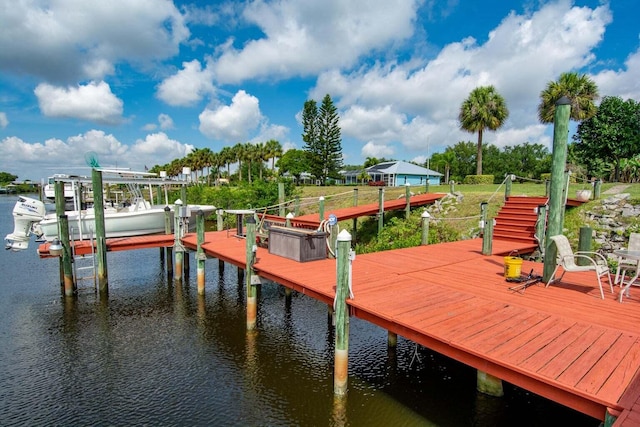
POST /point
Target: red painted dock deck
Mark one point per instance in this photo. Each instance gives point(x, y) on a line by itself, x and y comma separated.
point(342, 214)
point(561, 342)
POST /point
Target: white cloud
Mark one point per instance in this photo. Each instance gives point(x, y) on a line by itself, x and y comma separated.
point(39, 160)
point(166, 122)
point(94, 102)
point(187, 86)
point(371, 149)
point(4, 122)
point(303, 38)
point(232, 123)
point(70, 40)
point(156, 149)
point(622, 83)
point(419, 100)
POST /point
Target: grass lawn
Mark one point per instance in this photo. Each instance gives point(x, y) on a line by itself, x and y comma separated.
point(466, 214)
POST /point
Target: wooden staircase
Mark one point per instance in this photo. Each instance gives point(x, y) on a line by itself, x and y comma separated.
point(516, 220)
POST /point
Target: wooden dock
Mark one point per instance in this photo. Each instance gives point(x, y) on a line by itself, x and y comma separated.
point(561, 342)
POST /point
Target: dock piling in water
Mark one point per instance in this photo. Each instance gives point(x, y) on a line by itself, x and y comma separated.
point(200, 253)
point(341, 358)
point(252, 292)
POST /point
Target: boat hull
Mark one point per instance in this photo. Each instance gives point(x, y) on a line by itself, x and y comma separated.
point(117, 224)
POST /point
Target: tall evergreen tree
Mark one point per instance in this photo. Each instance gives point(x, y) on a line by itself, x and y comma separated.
point(322, 139)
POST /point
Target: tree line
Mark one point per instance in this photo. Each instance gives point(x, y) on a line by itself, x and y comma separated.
point(606, 144)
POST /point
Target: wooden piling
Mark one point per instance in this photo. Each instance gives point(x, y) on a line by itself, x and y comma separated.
point(597, 187)
point(101, 242)
point(69, 280)
point(488, 384)
point(321, 208)
point(380, 210)
point(200, 252)
point(281, 198)
point(341, 357)
point(392, 339)
point(407, 197)
point(507, 186)
point(487, 237)
point(426, 217)
point(177, 245)
point(219, 220)
point(167, 230)
point(252, 292)
point(556, 199)
point(58, 187)
point(355, 219)
point(584, 244)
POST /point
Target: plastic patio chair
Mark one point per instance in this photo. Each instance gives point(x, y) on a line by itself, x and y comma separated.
point(628, 264)
point(567, 259)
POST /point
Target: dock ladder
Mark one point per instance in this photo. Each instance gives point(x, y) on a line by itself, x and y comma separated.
point(83, 262)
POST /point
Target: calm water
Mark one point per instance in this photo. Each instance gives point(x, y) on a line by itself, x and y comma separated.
point(157, 354)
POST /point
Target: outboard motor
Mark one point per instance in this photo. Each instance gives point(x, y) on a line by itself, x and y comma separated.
point(26, 213)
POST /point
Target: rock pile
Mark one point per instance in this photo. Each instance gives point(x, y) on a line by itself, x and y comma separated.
point(610, 220)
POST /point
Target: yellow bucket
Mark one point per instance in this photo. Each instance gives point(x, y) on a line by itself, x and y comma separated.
point(512, 267)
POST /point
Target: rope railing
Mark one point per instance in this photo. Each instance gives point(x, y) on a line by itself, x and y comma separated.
point(524, 178)
point(498, 189)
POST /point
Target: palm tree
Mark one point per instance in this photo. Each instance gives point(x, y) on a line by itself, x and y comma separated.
point(484, 109)
point(580, 90)
point(227, 156)
point(239, 155)
point(274, 149)
point(206, 161)
point(251, 153)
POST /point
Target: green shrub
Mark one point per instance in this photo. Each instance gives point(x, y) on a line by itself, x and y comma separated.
point(478, 179)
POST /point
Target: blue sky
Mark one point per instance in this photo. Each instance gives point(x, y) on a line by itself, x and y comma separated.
point(141, 82)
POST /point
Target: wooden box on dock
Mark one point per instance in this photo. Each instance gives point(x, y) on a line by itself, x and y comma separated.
point(297, 244)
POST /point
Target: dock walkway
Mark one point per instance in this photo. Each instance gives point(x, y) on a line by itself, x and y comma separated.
point(561, 342)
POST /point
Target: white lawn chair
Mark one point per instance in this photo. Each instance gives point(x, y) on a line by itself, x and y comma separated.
point(626, 264)
point(567, 259)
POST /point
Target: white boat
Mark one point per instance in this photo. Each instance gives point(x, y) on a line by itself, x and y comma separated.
point(135, 217)
point(70, 189)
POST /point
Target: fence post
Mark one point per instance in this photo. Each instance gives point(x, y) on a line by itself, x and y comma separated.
point(407, 197)
point(487, 237)
point(425, 227)
point(281, 199)
point(507, 186)
point(380, 210)
point(597, 187)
